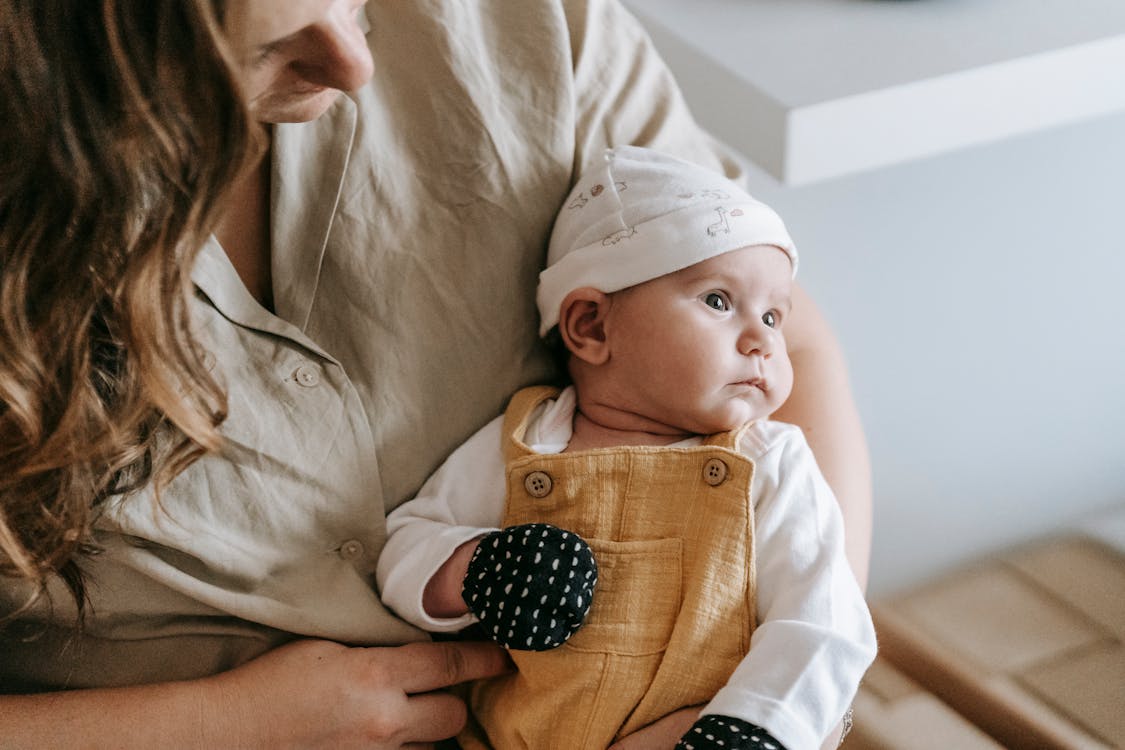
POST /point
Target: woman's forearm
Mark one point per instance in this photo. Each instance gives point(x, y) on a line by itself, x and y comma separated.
point(175, 714)
point(309, 694)
point(822, 405)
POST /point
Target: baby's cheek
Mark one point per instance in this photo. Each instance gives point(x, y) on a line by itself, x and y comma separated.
point(783, 380)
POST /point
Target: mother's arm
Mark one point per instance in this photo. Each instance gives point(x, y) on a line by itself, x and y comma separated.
point(313, 694)
point(822, 405)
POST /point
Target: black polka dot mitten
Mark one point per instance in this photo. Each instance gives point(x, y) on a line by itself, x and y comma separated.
point(530, 585)
point(713, 732)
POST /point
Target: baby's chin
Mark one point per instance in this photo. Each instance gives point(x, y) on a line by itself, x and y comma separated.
point(729, 419)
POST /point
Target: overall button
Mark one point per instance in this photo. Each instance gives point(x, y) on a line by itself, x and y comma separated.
point(538, 484)
point(307, 376)
point(351, 550)
point(715, 472)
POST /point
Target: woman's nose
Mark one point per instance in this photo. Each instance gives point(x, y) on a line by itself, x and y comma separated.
point(339, 57)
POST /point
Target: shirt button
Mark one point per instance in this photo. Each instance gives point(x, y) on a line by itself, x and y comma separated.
point(538, 484)
point(715, 472)
point(351, 549)
point(307, 376)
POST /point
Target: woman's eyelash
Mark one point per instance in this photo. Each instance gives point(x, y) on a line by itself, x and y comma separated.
point(265, 52)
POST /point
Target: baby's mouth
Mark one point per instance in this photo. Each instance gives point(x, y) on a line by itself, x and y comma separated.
point(758, 382)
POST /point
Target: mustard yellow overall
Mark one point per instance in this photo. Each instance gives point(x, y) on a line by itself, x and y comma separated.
point(672, 530)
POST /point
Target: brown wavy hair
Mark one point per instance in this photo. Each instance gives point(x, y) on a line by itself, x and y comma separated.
point(122, 130)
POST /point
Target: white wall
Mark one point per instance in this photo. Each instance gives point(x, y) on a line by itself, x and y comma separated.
point(980, 297)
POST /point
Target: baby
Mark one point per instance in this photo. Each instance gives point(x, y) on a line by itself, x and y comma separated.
point(646, 539)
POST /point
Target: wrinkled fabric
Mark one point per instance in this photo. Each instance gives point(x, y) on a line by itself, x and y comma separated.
point(408, 226)
point(812, 636)
point(674, 607)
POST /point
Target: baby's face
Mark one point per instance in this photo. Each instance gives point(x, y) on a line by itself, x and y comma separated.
point(702, 350)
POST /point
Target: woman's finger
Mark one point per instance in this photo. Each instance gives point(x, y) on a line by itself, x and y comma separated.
point(422, 667)
point(430, 717)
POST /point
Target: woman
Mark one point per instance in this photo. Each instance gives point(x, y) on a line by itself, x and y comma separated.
point(227, 351)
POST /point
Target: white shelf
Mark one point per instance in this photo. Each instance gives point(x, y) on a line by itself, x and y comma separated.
point(814, 89)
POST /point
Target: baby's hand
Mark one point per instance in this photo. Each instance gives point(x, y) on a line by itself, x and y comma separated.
point(531, 585)
point(712, 732)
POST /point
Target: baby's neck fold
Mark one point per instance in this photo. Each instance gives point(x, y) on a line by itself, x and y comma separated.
point(597, 426)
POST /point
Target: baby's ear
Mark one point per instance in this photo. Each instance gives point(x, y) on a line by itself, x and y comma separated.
point(582, 324)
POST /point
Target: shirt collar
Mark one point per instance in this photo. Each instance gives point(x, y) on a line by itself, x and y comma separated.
point(310, 161)
point(215, 276)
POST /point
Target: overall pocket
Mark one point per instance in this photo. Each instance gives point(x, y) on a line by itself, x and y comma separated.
point(580, 694)
point(636, 600)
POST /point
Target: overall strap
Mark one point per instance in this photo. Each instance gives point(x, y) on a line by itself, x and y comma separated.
point(728, 439)
point(517, 415)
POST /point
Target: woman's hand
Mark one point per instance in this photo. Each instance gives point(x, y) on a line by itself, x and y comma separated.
point(662, 734)
point(321, 694)
point(308, 694)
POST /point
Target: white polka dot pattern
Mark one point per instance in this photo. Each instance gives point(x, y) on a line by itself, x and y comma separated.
point(531, 585)
point(712, 732)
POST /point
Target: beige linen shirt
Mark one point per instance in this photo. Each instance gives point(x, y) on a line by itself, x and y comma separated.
point(408, 227)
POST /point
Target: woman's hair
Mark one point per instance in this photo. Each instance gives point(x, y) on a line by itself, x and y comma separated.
point(122, 130)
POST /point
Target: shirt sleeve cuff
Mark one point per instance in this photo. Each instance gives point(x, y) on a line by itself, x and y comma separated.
point(404, 586)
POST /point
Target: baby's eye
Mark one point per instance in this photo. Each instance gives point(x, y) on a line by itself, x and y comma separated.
point(770, 318)
point(716, 301)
